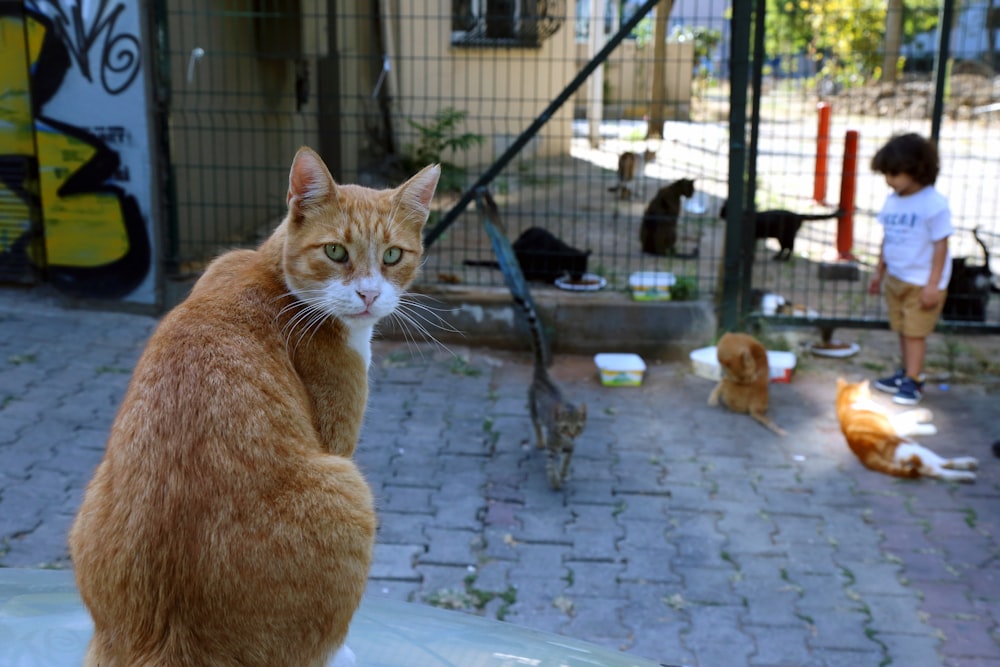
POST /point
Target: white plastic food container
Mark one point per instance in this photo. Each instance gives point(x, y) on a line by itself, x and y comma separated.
point(620, 369)
point(705, 364)
point(651, 285)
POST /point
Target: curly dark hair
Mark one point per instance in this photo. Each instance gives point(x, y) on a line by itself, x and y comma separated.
point(909, 154)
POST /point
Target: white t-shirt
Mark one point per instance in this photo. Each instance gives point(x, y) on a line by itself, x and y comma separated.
point(912, 224)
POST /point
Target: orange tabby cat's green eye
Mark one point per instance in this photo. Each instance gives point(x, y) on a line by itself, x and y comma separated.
point(392, 255)
point(336, 252)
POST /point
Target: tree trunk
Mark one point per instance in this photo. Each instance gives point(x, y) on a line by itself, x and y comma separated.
point(893, 38)
point(657, 107)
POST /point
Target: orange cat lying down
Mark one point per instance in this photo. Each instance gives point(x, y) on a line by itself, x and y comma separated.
point(880, 443)
point(227, 524)
point(745, 378)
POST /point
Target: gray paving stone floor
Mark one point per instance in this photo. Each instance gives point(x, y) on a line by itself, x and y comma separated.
point(686, 534)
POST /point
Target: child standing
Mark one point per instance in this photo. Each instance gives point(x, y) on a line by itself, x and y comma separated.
point(914, 265)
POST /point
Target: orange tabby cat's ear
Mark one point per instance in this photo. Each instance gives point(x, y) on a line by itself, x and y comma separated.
point(416, 193)
point(309, 181)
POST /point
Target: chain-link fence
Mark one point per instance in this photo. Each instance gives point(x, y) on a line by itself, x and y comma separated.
point(387, 86)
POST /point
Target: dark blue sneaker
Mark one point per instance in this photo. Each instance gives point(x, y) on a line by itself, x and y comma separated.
point(909, 393)
point(890, 385)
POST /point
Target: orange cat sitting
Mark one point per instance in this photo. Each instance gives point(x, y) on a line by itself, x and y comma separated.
point(227, 523)
point(880, 441)
point(745, 379)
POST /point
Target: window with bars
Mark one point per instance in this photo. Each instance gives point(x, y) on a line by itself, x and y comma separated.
point(504, 23)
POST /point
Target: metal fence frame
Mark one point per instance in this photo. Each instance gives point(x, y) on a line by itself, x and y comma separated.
point(735, 288)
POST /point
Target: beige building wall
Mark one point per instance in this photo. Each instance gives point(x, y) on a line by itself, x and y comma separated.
point(502, 89)
point(234, 123)
point(628, 80)
point(233, 126)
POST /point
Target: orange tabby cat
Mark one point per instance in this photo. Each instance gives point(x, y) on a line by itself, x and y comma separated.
point(745, 378)
point(227, 524)
point(631, 166)
point(880, 443)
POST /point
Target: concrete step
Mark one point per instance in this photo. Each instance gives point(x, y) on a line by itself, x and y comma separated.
point(575, 322)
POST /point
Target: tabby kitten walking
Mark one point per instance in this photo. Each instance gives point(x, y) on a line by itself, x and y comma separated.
point(227, 524)
point(558, 422)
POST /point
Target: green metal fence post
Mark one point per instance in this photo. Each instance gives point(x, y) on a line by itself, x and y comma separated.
point(941, 66)
point(732, 275)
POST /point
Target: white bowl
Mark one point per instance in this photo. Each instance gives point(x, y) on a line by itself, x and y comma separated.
point(705, 364)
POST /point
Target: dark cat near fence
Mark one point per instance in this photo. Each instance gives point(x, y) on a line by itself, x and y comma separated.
point(658, 234)
point(969, 288)
point(782, 225)
point(543, 256)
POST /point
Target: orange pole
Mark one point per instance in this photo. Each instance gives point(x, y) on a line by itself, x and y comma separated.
point(848, 182)
point(822, 151)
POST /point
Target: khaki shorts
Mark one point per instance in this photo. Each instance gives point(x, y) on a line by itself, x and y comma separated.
point(906, 315)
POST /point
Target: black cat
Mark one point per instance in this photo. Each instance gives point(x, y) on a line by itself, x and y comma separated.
point(544, 257)
point(969, 288)
point(782, 225)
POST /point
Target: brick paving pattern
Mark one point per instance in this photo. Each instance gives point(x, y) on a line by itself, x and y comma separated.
point(685, 534)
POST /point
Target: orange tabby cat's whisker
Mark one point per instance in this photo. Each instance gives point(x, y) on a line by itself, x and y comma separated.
point(306, 321)
point(408, 321)
point(428, 310)
point(411, 341)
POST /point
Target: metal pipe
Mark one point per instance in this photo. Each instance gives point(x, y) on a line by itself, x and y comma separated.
point(729, 310)
point(941, 66)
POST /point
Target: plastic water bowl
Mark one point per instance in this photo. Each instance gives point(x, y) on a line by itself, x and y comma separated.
point(705, 364)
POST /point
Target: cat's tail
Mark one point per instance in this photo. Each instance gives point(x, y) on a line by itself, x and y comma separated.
point(839, 213)
point(538, 343)
point(986, 254)
point(982, 244)
point(514, 277)
point(492, 264)
point(766, 421)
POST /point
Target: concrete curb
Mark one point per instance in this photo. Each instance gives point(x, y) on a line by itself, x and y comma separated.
point(488, 317)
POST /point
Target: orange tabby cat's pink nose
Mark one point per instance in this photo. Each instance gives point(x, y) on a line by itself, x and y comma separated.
point(368, 296)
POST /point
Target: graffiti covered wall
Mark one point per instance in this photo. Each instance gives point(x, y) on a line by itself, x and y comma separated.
point(21, 251)
point(92, 142)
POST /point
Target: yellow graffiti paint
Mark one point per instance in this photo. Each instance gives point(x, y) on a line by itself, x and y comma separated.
point(15, 103)
point(16, 130)
point(82, 230)
point(36, 35)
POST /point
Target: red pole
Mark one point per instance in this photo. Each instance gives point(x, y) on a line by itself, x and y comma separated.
point(848, 181)
point(822, 150)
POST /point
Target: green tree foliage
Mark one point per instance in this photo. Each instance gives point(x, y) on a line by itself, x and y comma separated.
point(705, 39)
point(845, 37)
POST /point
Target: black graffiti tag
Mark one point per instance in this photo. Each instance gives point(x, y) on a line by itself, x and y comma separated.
point(120, 51)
